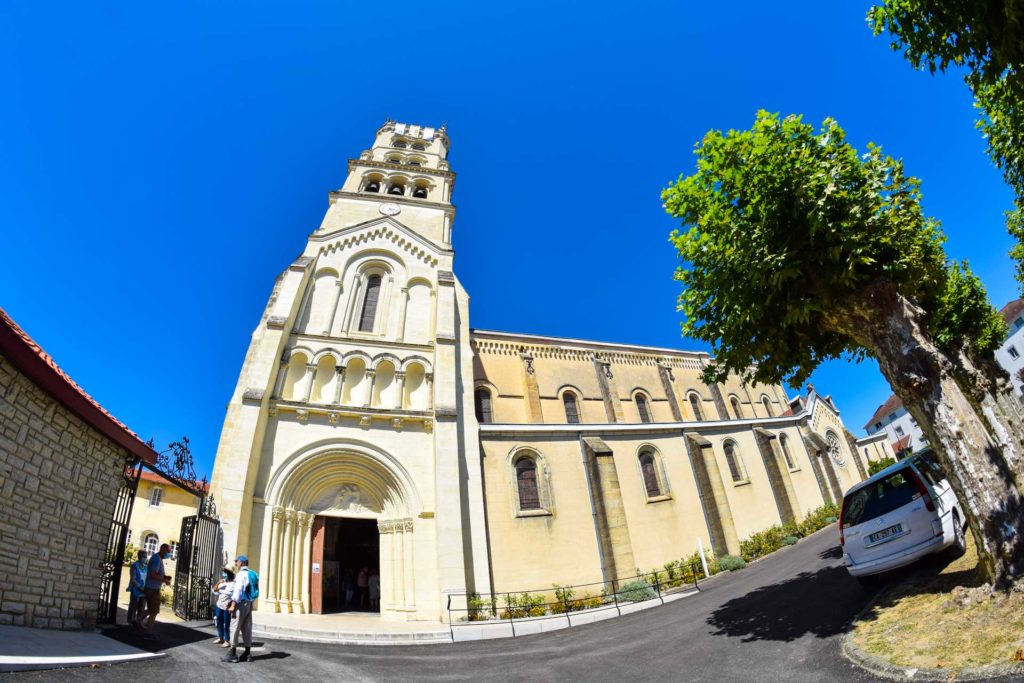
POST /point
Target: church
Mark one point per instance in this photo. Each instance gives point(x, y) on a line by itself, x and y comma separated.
point(372, 426)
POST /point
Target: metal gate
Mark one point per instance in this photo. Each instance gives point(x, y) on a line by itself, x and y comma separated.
point(110, 568)
point(199, 557)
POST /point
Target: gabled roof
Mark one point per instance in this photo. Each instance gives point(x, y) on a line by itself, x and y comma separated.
point(892, 403)
point(157, 479)
point(902, 444)
point(1011, 310)
point(33, 362)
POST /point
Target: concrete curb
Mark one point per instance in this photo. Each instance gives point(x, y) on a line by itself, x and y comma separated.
point(883, 668)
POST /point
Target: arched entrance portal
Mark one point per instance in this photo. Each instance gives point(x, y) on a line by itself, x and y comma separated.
point(332, 508)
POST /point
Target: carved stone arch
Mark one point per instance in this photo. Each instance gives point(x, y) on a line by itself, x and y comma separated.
point(569, 387)
point(387, 356)
point(420, 280)
point(361, 355)
point(304, 350)
point(572, 401)
point(326, 352)
point(485, 384)
point(406, 362)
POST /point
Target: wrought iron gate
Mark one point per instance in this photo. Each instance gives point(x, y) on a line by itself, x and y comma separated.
point(113, 558)
point(199, 559)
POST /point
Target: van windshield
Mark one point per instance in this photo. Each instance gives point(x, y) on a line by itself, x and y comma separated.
point(878, 498)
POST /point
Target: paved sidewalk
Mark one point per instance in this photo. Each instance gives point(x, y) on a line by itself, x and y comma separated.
point(27, 649)
point(349, 628)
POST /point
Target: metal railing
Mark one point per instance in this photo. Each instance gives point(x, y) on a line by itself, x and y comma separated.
point(534, 605)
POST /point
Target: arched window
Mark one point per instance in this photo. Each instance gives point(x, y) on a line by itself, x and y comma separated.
point(649, 470)
point(737, 409)
point(482, 399)
point(735, 462)
point(784, 444)
point(151, 543)
point(396, 189)
point(156, 495)
point(369, 314)
point(418, 146)
point(698, 414)
point(174, 550)
point(400, 144)
point(643, 408)
point(420, 193)
point(767, 406)
point(572, 413)
point(372, 186)
point(526, 484)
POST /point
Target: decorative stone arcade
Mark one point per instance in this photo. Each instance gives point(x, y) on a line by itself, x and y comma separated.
point(339, 484)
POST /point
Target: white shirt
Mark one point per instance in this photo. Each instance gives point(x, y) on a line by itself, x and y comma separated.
point(240, 593)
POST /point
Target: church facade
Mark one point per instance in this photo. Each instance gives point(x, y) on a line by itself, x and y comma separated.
point(371, 426)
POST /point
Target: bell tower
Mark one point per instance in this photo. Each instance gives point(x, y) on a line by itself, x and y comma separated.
point(349, 420)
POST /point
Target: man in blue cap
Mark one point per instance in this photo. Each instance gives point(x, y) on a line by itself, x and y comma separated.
point(241, 609)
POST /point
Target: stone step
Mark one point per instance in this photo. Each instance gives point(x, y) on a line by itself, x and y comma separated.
point(307, 635)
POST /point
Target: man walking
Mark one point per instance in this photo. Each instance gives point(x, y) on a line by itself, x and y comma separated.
point(241, 609)
point(156, 578)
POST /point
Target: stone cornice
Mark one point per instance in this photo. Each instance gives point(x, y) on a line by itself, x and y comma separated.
point(640, 428)
point(352, 163)
point(362, 342)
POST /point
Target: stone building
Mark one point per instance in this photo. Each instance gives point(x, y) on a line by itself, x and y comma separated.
point(371, 426)
point(61, 462)
point(157, 513)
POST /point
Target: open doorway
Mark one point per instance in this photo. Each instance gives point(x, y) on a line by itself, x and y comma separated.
point(351, 565)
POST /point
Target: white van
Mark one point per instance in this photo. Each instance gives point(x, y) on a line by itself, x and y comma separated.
point(898, 516)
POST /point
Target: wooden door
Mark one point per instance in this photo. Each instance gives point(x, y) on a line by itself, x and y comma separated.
point(316, 584)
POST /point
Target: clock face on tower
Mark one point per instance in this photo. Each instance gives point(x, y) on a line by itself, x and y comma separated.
point(389, 209)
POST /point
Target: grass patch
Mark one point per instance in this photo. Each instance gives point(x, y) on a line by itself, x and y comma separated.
point(940, 615)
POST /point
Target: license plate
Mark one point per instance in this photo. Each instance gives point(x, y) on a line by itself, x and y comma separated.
point(884, 534)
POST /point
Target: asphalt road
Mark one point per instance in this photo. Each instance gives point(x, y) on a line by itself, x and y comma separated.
point(777, 620)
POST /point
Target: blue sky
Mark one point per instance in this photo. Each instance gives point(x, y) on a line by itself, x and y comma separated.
point(161, 164)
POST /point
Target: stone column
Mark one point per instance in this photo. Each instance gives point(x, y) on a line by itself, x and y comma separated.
point(298, 562)
point(409, 587)
point(372, 375)
point(275, 522)
point(609, 391)
point(387, 570)
point(277, 531)
point(400, 381)
point(403, 314)
point(288, 561)
point(398, 571)
point(429, 379)
point(305, 524)
point(778, 476)
point(711, 489)
point(334, 306)
point(282, 372)
point(339, 383)
point(310, 379)
point(667, 381)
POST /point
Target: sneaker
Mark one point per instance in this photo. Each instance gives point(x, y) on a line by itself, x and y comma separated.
point(225, 644)
point(230, 659)
point(217, 641)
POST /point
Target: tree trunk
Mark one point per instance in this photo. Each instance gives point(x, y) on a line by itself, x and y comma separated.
point(892, 328)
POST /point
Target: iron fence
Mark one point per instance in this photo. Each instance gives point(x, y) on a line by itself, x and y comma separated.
point(509, 607)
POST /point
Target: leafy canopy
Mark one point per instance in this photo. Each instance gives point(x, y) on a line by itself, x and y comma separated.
point(786, 225)
point(963, 315)
point(986, 37)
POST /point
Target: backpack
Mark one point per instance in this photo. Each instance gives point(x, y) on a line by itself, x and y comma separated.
point(252, 591)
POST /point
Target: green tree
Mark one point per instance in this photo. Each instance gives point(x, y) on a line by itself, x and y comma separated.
point(797, 249)
point(986, 39)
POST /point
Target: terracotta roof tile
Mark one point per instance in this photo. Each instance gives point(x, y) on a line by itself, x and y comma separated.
point(32, 361)
point(898, 446)
point(892, 403)
point(156, 478)
point(1011, 310)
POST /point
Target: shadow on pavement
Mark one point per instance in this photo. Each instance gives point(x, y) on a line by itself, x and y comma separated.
point(782, 611)
point(169, 636)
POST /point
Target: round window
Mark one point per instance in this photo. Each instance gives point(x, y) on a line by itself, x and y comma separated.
point(833, 449)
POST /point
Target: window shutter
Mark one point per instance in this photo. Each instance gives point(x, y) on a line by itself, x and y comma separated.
point(526, 480)
point(369, 315)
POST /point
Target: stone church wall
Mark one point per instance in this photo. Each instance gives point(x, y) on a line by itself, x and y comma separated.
point(59, 478)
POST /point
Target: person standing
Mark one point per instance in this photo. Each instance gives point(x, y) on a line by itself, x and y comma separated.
point(137, 590)
point(362, 585)
point(241, 609)
point(348, 587)
point(156, 579)
point(222, 590)
point(374, 585)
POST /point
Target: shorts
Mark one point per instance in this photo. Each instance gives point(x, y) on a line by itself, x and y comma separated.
point(152, 601)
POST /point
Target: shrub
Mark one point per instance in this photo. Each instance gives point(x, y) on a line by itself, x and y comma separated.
point(523, 605)
point(480, 609)
point(130, 553)
point(879, 465)
point(731, 563)
point(789, 540)
point(637, 590)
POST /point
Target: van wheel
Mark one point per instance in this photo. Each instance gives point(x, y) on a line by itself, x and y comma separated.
point(959, 546)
